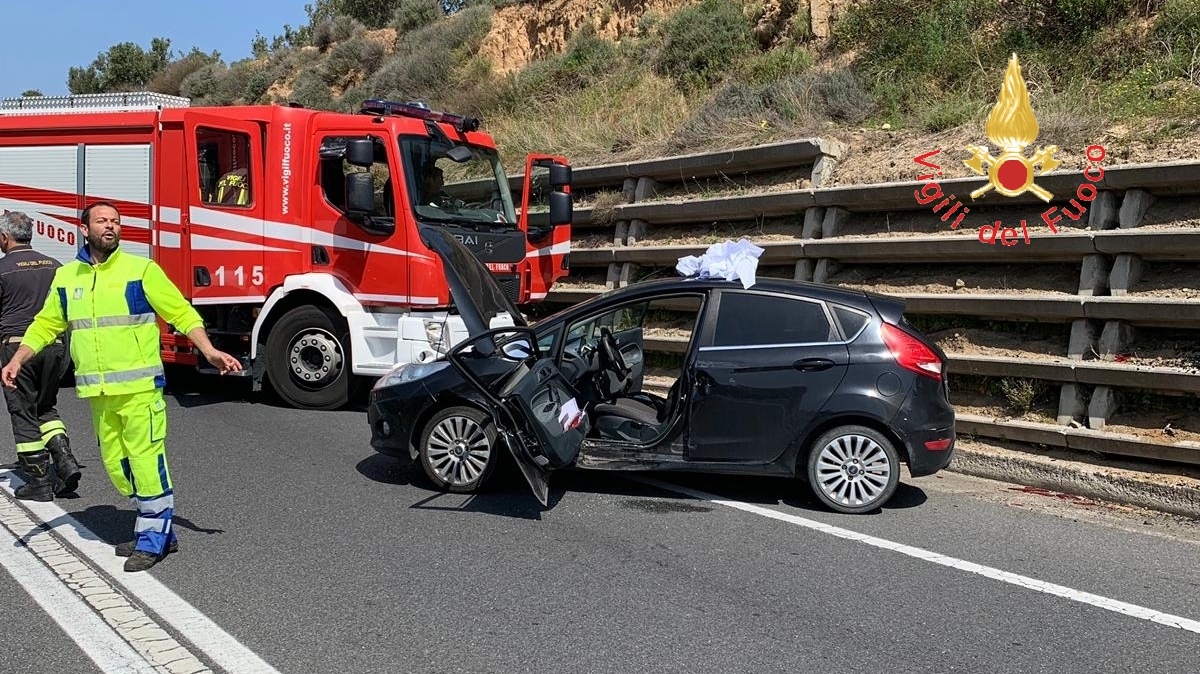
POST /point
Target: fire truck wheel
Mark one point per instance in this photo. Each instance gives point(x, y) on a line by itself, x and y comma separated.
point(308, 361)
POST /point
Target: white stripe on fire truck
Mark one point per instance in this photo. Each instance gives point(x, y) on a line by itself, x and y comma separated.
point(201, 242)
point(243, 299)
point(556, 249)
point(166, 239)
point(411, 299)
point(291, 233)
point(169, 215)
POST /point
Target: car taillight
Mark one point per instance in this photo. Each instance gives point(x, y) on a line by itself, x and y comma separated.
point(911, 353)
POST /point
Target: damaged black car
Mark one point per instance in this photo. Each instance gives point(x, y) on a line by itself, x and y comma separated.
point(776, 378)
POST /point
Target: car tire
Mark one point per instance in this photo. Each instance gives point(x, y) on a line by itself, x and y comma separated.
point(308, 361)
point(458, 449)
point(853, 469)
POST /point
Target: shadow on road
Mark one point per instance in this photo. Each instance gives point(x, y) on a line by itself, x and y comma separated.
point(113, 525)
point(508, 495)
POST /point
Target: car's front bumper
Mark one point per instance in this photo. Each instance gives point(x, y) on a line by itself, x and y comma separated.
point(391, 417)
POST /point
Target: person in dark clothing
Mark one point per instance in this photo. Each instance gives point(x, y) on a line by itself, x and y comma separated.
point(43, 448)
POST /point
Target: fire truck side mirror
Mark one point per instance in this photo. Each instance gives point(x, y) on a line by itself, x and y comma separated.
point(360, 204)
point(360, 152)
point(560, 176)
point(560, 208)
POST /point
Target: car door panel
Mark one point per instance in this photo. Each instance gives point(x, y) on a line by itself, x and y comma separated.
point(748, 404)
point(766, 364)
point(631, 346)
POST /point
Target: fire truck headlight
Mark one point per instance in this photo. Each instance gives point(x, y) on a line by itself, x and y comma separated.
point(410, 372)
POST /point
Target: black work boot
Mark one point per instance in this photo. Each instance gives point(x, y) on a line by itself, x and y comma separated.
point(126, 549)
point(41, 482)
point(64, 463)
point(141, 560)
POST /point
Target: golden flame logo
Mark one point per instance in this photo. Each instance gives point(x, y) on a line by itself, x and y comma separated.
point(1012, 126)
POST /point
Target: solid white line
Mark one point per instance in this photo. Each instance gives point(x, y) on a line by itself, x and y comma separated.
point(1099, 601)
point(96, 639)
point(195, 627)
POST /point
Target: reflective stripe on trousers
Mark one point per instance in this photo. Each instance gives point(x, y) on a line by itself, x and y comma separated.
point(132, 429)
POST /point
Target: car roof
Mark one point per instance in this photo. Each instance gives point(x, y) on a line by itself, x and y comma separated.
point(668, 286)
point(823, 291)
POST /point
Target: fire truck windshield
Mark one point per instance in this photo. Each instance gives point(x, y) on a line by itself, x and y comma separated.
point(468, 192)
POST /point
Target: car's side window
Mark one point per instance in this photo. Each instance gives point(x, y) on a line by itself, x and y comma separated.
point(547, 342)
point(853, 320)
point(587, 331)
point(756, 319)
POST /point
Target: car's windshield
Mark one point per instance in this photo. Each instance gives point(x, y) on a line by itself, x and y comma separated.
point(444, 190)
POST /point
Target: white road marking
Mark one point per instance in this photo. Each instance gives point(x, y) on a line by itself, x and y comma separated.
point(198, 629)
point(96, 639)
point(1099, 601)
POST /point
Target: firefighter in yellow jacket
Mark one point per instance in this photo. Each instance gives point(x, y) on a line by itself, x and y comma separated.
point(108, 300)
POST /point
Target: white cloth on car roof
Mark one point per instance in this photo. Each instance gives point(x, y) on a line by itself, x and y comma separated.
point(730, 261)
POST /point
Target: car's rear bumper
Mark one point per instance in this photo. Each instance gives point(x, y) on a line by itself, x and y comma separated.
point(926, 426)
point(929, 450)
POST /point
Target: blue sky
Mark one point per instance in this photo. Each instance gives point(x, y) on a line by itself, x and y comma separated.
point(42, 39)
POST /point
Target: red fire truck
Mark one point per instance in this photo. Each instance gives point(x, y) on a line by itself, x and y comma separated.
point(293, 231)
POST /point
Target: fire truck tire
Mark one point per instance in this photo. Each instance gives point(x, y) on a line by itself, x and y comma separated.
point(308, 359)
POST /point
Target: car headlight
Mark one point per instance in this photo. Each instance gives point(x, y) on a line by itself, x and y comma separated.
point(409, 372)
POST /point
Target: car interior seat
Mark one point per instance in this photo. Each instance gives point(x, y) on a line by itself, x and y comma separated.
point(636, 419)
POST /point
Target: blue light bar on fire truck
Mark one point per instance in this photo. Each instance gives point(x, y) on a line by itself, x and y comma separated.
point(381, 107)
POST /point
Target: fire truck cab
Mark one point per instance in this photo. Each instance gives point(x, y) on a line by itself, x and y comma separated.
point(294, 232)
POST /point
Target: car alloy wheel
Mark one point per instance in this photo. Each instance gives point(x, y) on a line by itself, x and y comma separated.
point(853, 469)
point(457, 449)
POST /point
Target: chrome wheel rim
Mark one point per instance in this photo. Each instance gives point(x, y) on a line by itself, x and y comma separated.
point(458, 450)
point(853, 470)
point(315, 358)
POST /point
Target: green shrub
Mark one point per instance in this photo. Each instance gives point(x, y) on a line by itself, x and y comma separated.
point(311, 91)
point(413, 14)
point(703, 42)
point(342, 60)
point(426, 59)
point(201, 83)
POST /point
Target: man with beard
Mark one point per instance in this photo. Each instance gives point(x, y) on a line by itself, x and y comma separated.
point(109, 300)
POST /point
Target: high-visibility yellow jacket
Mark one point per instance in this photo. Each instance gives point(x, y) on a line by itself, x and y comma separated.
point(109, 310)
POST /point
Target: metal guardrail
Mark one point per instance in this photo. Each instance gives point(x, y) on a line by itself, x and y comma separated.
point(1149, 245)
point(1160, 180)
point(1080, 439)
point(1103, 303)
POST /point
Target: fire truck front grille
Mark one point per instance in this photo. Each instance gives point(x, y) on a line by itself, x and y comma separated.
point(511, 285)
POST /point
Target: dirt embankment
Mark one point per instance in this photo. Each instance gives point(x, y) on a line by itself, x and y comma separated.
point(523, 33)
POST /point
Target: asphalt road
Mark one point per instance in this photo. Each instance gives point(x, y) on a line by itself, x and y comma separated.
point(310, 553)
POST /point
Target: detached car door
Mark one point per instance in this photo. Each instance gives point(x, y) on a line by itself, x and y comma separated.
point(764, 369)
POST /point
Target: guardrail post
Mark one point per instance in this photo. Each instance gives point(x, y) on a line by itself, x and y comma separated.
point(1072, 398)
point(1118, 335)
point(1103, 213)
point(814, 216)
point(831, 223)
point(619, 270)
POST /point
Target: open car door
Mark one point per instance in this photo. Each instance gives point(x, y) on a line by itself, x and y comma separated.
point(535, 408)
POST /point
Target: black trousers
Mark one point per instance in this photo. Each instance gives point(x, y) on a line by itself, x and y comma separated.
point(33, 404)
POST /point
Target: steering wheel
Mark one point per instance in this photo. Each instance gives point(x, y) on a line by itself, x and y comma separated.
point(612, 353)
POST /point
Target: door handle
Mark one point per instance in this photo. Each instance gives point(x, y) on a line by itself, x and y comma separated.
point(813, 364)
